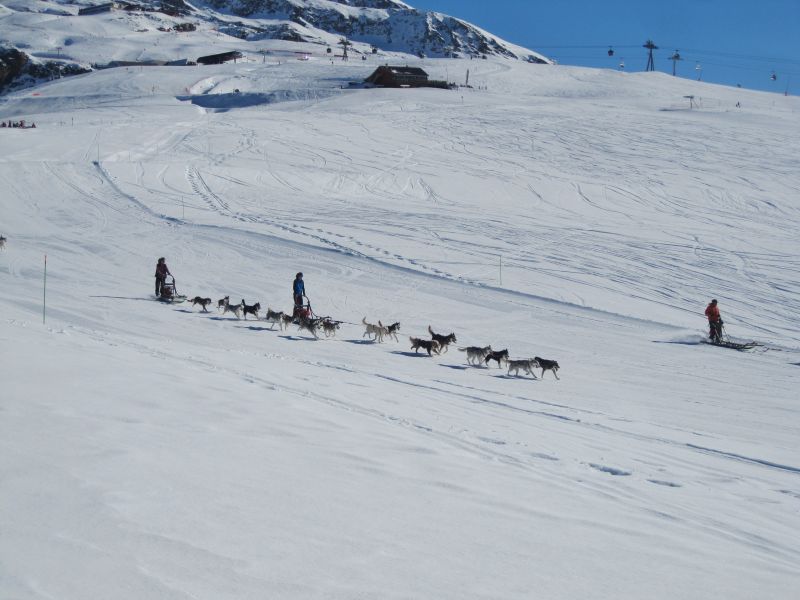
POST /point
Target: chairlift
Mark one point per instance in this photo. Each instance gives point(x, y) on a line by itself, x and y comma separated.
point(622, 64)
point(610, 51)
point(773, 76)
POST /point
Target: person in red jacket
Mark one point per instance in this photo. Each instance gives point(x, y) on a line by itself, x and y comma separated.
point(161, 275)
point(714, 322)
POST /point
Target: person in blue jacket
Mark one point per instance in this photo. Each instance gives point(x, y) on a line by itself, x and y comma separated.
point(298, 291)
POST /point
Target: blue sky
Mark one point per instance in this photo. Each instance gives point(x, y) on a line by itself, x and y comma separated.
point(732, 41)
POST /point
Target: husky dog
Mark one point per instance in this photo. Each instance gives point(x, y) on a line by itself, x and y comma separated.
point(429, 345)
point(310, 325)
point(275, 317)
point(444, 340)
point(475, 353)
point(251, 310)
point(392, 330)
point(329, 326)
point(498, 355)
point(548, 365)
point(2, 242)
point(203, 302)
point(286, 320)
point(527, 366)
point(234, 308)
point(223, 303)
point(377, 331)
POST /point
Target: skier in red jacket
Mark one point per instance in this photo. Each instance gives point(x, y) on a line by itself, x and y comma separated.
point(714, 322)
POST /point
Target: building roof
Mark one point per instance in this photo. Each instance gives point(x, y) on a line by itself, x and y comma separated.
point(407, 71)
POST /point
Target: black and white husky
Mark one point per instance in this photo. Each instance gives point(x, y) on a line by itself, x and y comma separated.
point(330, 327)
point(309, 325)
point(2, 242)
point(497, 355)
point(444, 340)
point(236, 309)
point(391, 330)
point(432, 346)
point(548, 365)
point(251, 309)
point(526, 366)
point(476, 353)
point(223, 302)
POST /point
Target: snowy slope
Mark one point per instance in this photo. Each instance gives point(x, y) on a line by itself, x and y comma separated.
point(155, 451)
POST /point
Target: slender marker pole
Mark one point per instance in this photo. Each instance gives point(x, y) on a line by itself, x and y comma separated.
point(44, 293)
point(501, 269)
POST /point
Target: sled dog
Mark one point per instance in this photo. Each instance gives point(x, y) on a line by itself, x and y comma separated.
point(309, 325)
point(429, 345)
point(548, 365)
point(234, 308)
point(497, 355)
point(203, 302)
point(2, 242)
point(444, 340)
point(250, 310)
point(377, 331)
point(330, 326)
point(392, 330)
point(286, 320)
point(526, 366)
point(223, 303)
point(476, 353)
point(274, 317)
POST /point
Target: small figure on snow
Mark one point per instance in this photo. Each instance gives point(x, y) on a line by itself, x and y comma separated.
point(714, 322)
point(298, 292)
point(162, 270)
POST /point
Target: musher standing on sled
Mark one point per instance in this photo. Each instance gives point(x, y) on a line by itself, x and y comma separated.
point(161, 275)
point(714, 322)
point(299, 292)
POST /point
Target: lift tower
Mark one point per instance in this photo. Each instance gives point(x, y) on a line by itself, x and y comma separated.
point(651, 65)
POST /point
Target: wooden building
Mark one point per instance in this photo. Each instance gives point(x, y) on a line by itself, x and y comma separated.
point(398, 76)
point(218, 59)
point(96, 9)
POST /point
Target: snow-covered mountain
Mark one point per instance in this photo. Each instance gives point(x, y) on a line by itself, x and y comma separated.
point(32, 48)
point(386, 24)
point(152, 450)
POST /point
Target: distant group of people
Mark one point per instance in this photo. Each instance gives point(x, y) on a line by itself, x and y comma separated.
point(17, 124)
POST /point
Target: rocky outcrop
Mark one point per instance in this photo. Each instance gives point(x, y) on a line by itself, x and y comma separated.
point(12, 64)
point(18, 70)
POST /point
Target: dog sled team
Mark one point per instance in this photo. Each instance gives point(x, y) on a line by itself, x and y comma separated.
point(306, 320)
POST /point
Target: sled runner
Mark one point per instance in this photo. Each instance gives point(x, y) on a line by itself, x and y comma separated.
point(734, 345)
point(169, 293)
point(724, 341)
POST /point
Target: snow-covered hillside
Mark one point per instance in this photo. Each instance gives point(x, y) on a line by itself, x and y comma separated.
point(157, 451)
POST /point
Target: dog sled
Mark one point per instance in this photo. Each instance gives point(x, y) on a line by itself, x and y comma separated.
point(169, 293)
point(303, 312)
point(724, 341)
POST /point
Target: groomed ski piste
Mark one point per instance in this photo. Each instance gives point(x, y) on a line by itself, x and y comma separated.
point(150, 450)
